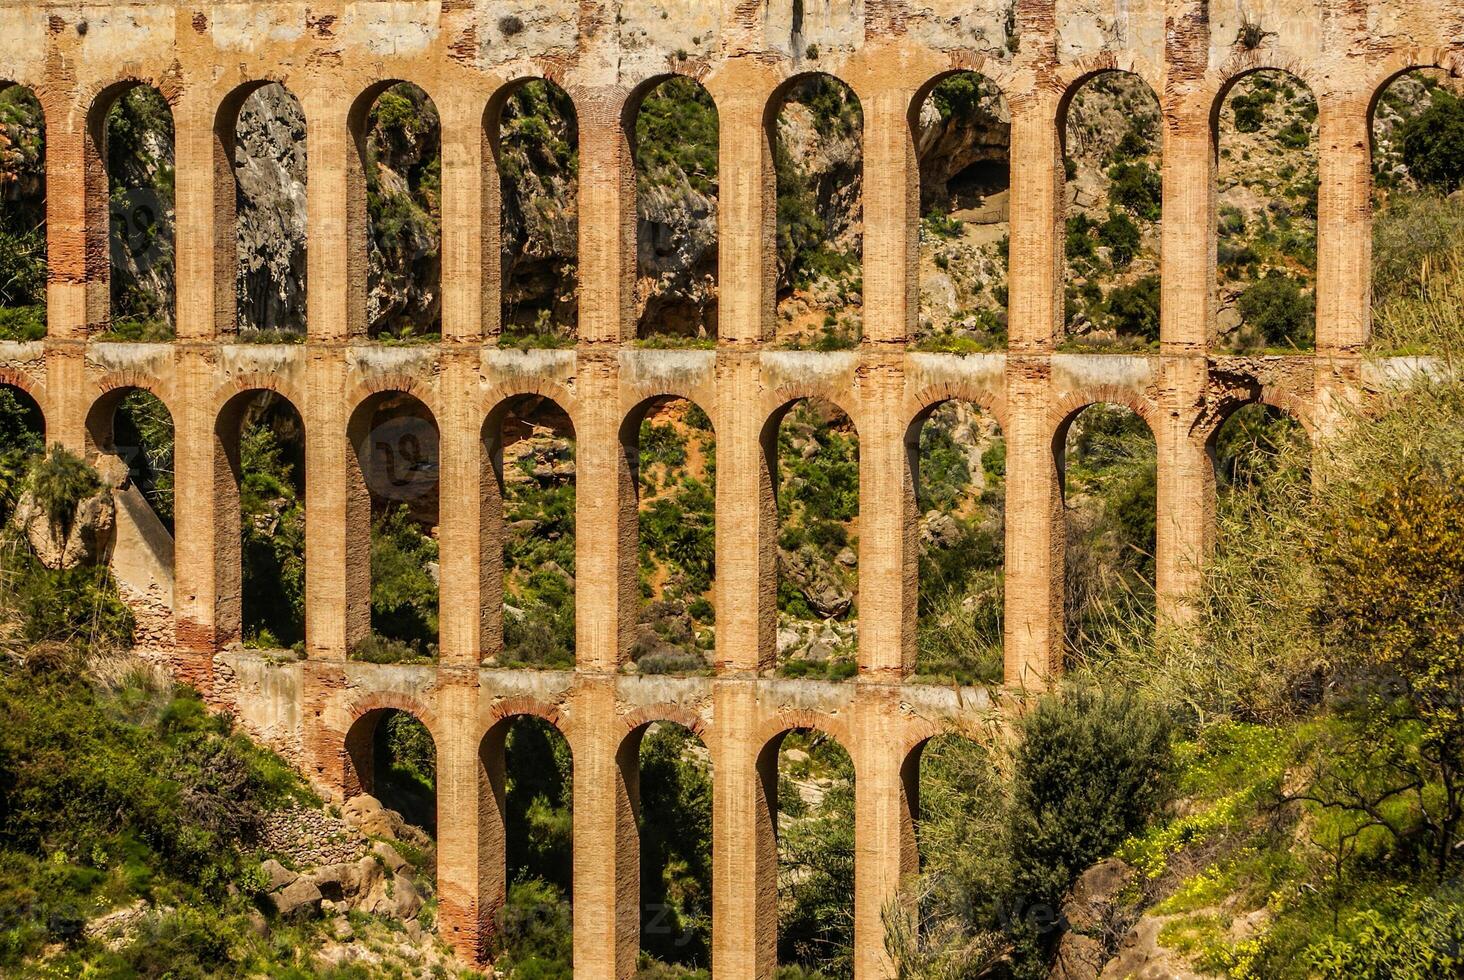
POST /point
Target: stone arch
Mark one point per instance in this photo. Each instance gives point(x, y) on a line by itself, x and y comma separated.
point(226, 198)
point(650, 835)
point(25, 211)
point(101, 211)
point(502, 561)
point(1400, 64)
point(109, 391)
point(1070, 406)
point(358, 225)
point(22, 381)
point(258, 381)
point(1075, 76)
point(663, 237)
point(228, 473)
point(360, 748)
point(492, 806)
point(839, 242)
point(502, 213)
point(390, 464)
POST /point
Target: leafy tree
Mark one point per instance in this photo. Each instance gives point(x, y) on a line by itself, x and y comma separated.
point(1133, 309)
point(1136, 187)
point(1279, 310)
point(1433, 142)
point(403, 593)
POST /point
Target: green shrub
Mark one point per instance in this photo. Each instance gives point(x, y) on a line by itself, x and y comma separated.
point(1136, 187)
point(1122, 237)
point(1433, 142)
point(403, 593)
point(1279, 309)
point(1133, 309)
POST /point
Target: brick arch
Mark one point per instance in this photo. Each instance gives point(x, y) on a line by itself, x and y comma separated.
point(526, 705)
point(796, 718)
point(697, 72)
point(90, 97)
point(395, 382)
point(358, 708)
point(638, 403)
point(778, 402)
point(1400, 64)
point(496, 399)
point(1066, 409)
point(16, 378)
point(666, 711)
point(133, 378)
point(365, 98)
point(521, 74)
point(1073, 77)
point(1210, 424)
point(787, 79)
point(933, 396)
point(1222, 81)
point(356, 749)
point(252, 381)
point(993, 70)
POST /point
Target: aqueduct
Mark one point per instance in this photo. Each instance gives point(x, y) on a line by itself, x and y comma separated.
point(204, 56)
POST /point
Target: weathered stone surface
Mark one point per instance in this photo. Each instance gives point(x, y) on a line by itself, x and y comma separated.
point(298, 900)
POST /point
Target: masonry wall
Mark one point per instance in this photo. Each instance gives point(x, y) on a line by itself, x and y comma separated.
point(331, 54)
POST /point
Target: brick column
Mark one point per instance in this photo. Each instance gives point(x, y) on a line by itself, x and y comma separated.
point(744, 843)
point(747, 522)
point(1185, 496)
point(891, 217)
point(1344, 225)
point(606, 844)
point(337, 613)
point(68, 295)
point(606, 219)
point(331, 169)
point(201, 514)
point(199, 275)
point(885, 855)
point(1035, 282)
point(464, 613)
point(458, 836)
point(746, 205)
point(465, 240)
point(1035, 531)
point(888, 562)
point(607, 592)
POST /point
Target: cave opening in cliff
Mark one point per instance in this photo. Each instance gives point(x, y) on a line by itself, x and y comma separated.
point(962, 131)
point(672, 451)
point(394, 759)
point(812, 453)
point(399, 142)
point(1112, 149)
point(675, 141)
point(22, 440)
point(958, 455)
point(673, 806)
point(392, 524)
point(807, 780)
point(22, 215)
point(816, 137)
point(138, 155)
point(1418, 212)
point(1107, 467)
point(530, 496)
point(1266, 213)
point(534, 134)
point(526, 833)
point(262, 135)
point(260, 437)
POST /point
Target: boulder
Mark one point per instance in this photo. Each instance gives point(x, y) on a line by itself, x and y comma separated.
point(389, 856)
point(279, 875)
point(366, 813)
point(84, 541)
point(298, 900)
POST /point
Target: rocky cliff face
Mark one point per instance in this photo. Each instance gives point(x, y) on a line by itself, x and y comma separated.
point(270, 165)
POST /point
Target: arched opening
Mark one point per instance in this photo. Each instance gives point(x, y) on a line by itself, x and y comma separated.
point(137, 150)
point(22, 215)
point(130, 439)
point(536, 145)
point(531, 443)
point(394, 759)
point(675, 138)
point(1262, 458)
point(1267, 214)
point(809, 780)
point(393, 491)
point(399, 140)
point(1418, 219)
point(1108, 468)
point(1111, 157)
point(963, 135)
point(262, 141)
point(22, 440)
point(526, 840)
point(959, 461)
point(674, 455)
point(812, 449)
point(261, 437)
point(673, 803)
point(958, 796)
point(816, 130)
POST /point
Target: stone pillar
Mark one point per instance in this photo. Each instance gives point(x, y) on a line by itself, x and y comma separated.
point(607, 847)
point(337, 574)
point(746, 205)
point(201, 309)
point(744, 841)
point(1185, 495)
point(458, 843)
point(1035, 531)
point(464, 217)
point(747, 522)
point(888, 555)
point(1035, 281)
point(891, 217)
point(1344, 225)
point(332, 168)
point(201, 514)
point(607, 232)
point(607, 591)
point(885, 855)
point(464, 613)
point(1187, 235)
